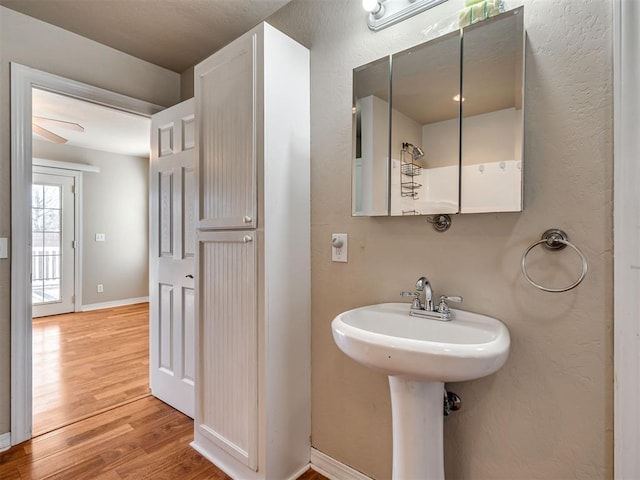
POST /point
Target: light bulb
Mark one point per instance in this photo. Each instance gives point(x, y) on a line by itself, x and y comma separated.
point(370, 5)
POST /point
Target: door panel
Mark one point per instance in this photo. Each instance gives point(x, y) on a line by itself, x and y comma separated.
point(228, 339)
point(165, 197)
point(189, 328)
point(226, 89)
point(165, 321)
point(189, 189)
point(53, 241)
point(171, 263)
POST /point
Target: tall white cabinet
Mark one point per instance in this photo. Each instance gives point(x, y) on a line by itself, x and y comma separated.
point(253, 381)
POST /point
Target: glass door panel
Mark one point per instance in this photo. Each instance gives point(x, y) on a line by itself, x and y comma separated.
point(47, 248)
point(52, 257)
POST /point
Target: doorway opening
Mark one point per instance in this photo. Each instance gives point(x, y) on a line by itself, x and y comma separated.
point(97, 358)
point(24, 81)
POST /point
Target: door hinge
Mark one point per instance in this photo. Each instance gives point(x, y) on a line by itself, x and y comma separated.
point(73, 189)
point(73, 299)
point(74, 244)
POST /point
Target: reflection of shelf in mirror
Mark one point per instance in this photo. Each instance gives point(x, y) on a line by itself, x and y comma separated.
point(410, 193)
point(411, 169)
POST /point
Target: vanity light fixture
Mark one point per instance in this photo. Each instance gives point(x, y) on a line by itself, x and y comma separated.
point(374, 7)
point(383, 13)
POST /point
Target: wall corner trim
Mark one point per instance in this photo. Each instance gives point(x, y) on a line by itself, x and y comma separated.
point(626, 209)
point(5, 441)
point(115, 303)
point(332, 468)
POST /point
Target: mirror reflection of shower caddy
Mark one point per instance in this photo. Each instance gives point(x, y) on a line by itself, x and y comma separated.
point(410, 172)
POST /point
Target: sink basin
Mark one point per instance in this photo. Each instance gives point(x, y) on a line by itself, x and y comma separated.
point(419, 355)
point(386, 338)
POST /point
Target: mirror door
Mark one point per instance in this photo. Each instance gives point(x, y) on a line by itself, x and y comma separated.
point(370, 175)
point(492, 115)
point(425, 160)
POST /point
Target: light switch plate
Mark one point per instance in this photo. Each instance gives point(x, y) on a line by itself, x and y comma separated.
point(4, 247)
point(339, 243)
point(100, 237)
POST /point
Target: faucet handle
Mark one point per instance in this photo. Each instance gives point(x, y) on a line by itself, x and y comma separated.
point(457, 299)
point(415, 305)
point(443, 307)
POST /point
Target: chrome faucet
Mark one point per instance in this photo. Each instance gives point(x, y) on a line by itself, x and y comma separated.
point(428, 308)
point(423, 285)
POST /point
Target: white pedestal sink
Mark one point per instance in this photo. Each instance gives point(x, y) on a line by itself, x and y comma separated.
point(419, 355)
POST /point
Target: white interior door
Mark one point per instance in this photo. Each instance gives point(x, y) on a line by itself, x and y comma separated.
point(53, 244)
point(172, 256)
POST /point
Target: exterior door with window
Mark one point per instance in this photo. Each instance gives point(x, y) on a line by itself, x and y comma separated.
point(53, 243)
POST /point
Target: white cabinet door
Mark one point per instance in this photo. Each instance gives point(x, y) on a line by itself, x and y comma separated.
point(226, 89)
point(172, 249)
point(227, 381)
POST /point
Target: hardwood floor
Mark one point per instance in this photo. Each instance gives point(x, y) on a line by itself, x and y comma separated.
point(87, 362)
point(133, 438)
point(145, 439)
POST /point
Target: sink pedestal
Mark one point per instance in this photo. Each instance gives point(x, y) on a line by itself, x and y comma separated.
point(417, 419)
point(419, 355)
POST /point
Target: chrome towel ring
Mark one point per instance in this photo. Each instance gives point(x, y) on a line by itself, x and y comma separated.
point(554, 239)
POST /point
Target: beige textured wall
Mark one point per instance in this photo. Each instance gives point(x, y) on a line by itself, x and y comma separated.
point(114, 202)
point(45, 47)
point(548, 413)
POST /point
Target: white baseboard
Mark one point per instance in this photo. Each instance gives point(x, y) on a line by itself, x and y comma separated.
point(299, 473)
point(234, 469)
point(333, 469)
point(5, 441)
point(114, 303)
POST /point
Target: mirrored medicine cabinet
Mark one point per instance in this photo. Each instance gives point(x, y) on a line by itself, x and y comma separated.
point(438, 128)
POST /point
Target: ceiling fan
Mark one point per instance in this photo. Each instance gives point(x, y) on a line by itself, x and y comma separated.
point(38, 128)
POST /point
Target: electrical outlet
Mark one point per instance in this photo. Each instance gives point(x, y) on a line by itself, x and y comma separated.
point(100, 288)
point(339, 243)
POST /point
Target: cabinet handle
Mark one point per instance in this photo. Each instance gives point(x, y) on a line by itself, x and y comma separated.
point(188, 276)
point(247, 219)
point(247, 239)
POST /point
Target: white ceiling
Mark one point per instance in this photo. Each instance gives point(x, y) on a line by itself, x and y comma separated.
point(175, 34)
point(105, 128)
